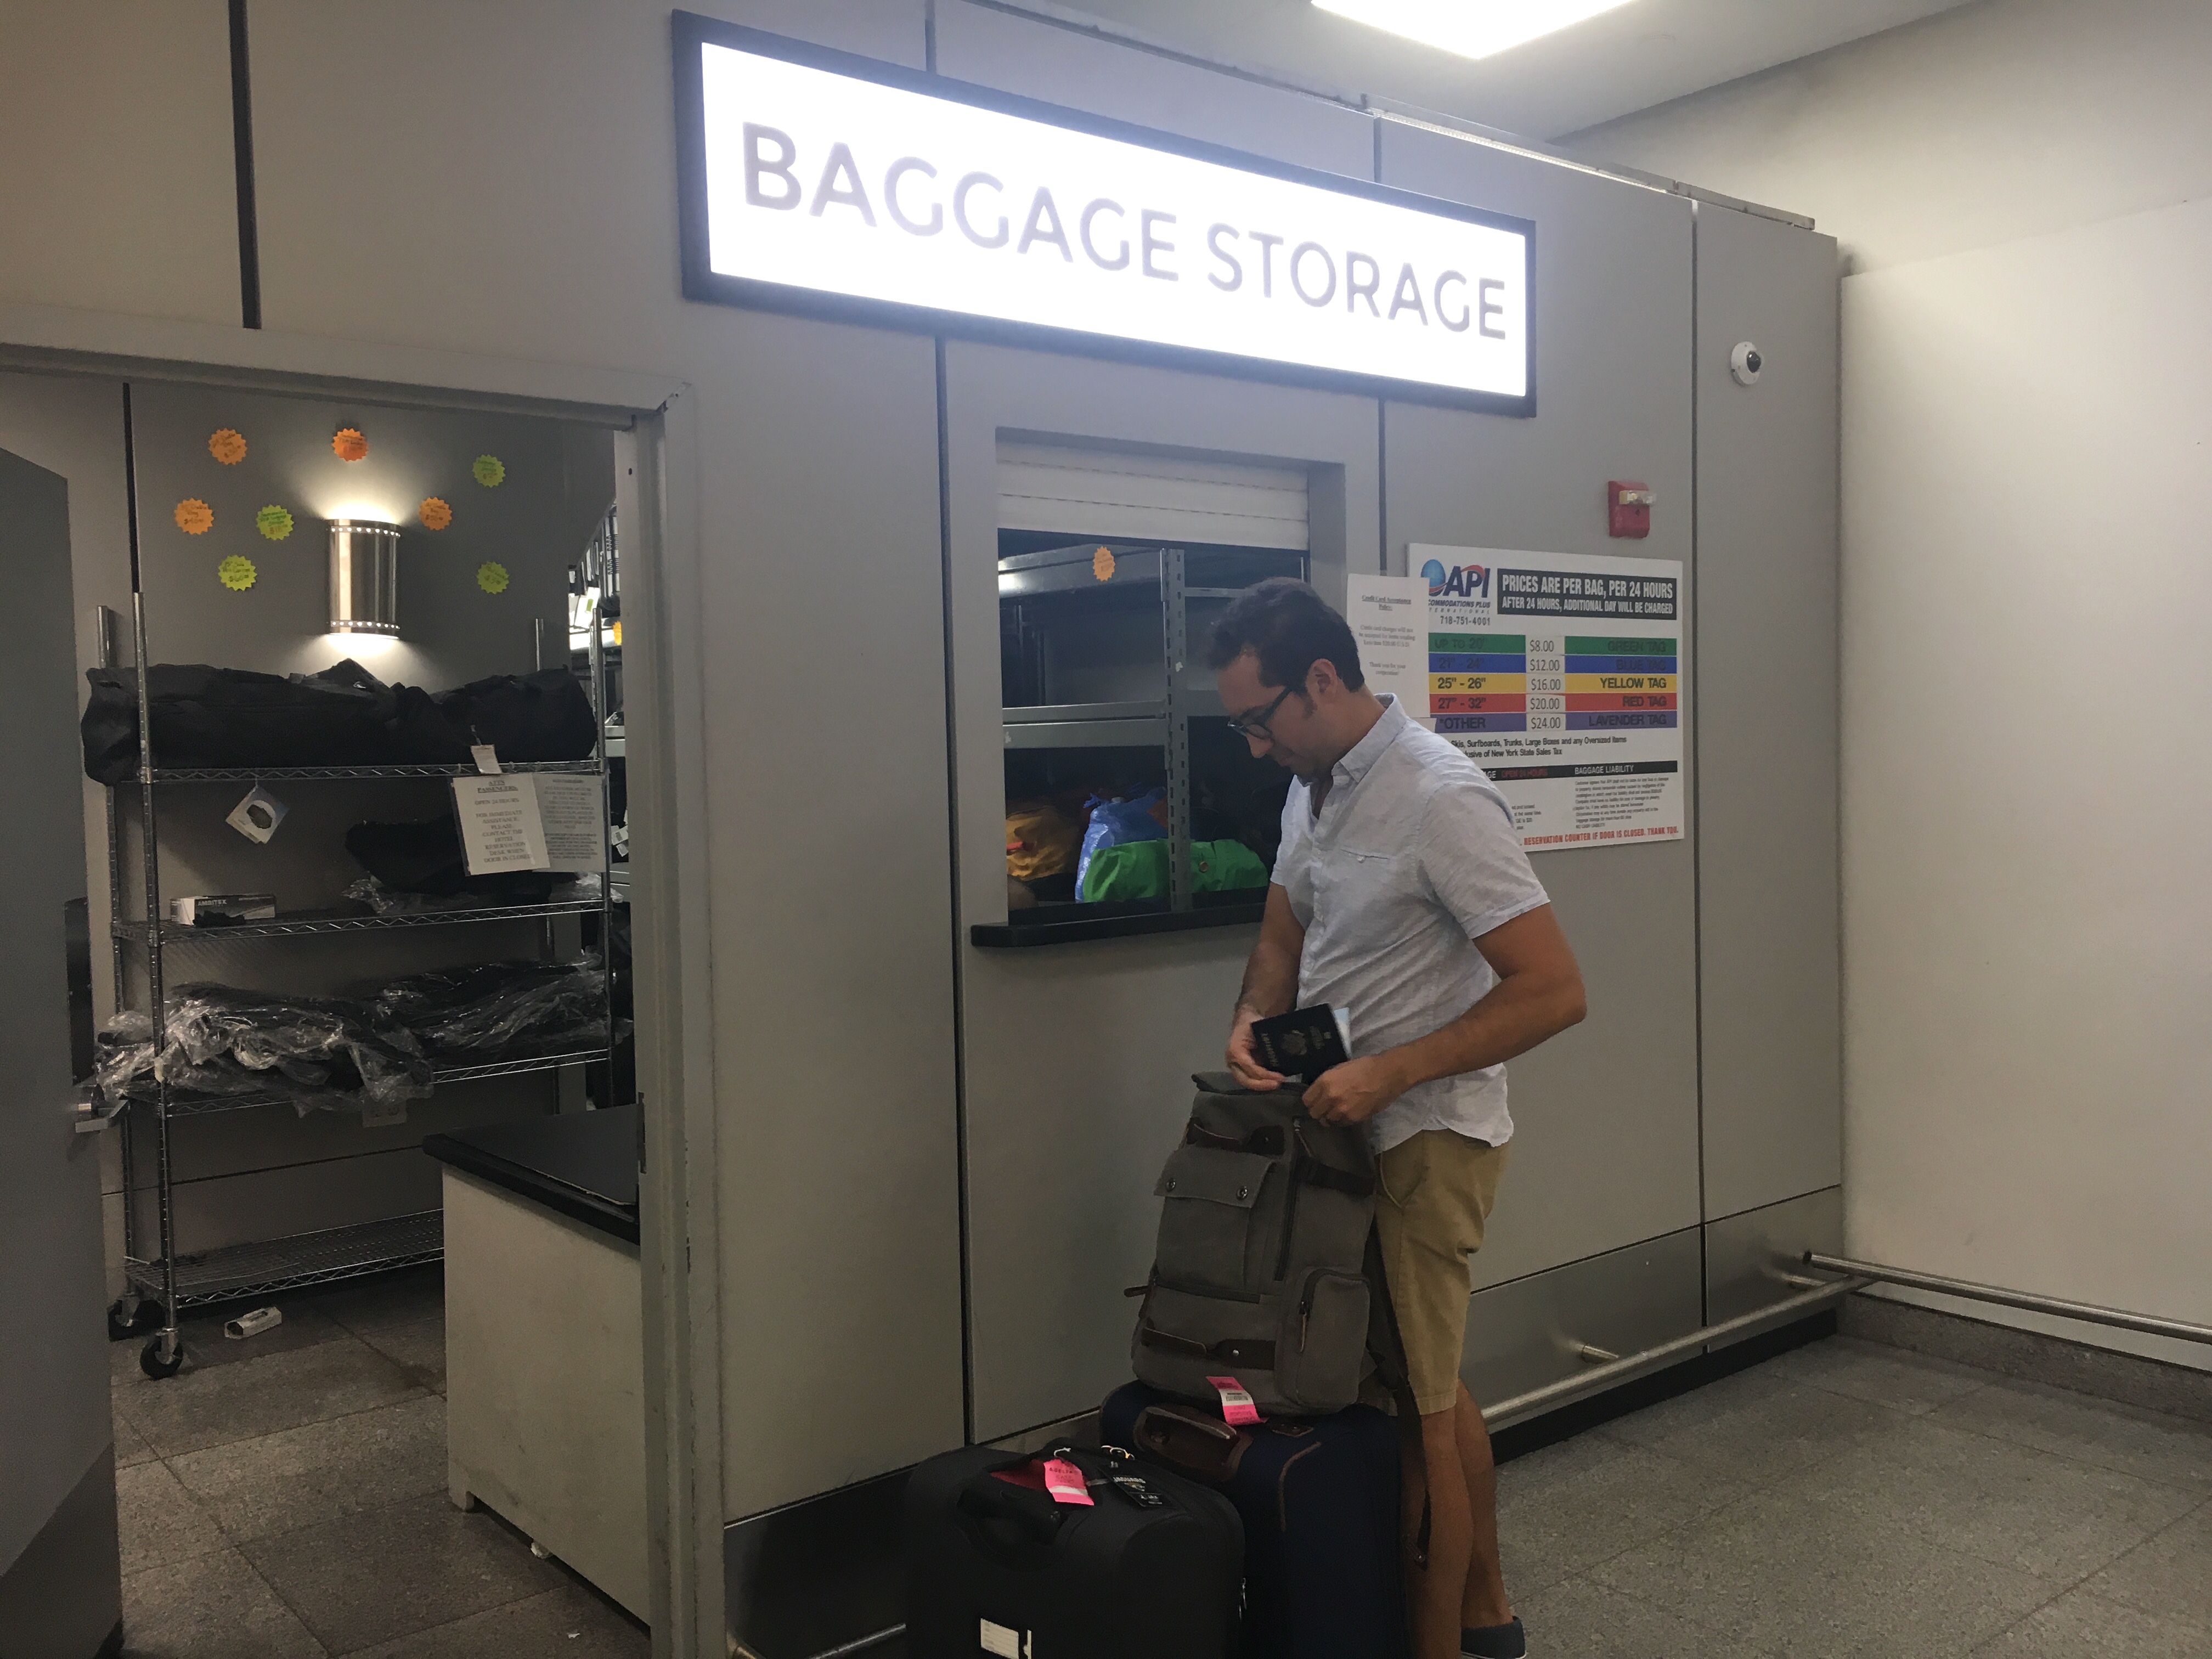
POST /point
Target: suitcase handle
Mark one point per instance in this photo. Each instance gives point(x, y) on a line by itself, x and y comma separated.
point(1187, 1440)
point(988, 1498)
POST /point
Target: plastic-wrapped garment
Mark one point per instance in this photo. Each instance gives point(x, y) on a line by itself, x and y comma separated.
point(311, 1051)
point(512, 1008)
point(206, 716)
point(387, 901)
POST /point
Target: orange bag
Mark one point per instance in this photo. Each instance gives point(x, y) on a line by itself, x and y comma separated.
point(1041, 840)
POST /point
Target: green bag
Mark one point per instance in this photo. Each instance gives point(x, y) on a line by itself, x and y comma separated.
point(1138, 870)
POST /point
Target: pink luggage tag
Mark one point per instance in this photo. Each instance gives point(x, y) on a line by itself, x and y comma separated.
point(1237, 1406)
point(1064, 1482)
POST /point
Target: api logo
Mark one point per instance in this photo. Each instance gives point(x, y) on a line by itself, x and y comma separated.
point(1463, 581)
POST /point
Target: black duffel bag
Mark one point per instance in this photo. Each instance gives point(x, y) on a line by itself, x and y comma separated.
point(427, 858)
point(233, 717)
point(545, 716)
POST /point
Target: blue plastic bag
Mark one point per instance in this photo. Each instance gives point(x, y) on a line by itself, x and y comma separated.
point(1114, 823)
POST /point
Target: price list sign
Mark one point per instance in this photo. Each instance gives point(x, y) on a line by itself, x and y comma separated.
point(1560, 676)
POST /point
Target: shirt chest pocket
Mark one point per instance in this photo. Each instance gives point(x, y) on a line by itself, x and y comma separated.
point(1352, 877)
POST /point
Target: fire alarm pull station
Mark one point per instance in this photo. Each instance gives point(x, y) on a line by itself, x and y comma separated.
point(1628, 508)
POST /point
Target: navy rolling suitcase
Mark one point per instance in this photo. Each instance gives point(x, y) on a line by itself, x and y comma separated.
point(1319, 1499)
point(996, 1567)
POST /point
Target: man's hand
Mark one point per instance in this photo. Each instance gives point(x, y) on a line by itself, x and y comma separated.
point(1354, 1091)
point(1244, 1061)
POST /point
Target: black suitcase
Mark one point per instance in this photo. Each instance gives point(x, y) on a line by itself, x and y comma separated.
point(1319, 1498)
point(998, 1568)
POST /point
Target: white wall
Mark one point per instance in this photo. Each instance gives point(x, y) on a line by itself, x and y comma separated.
point(2027, 450)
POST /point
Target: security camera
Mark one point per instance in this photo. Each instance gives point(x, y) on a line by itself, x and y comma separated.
point(1744, 363)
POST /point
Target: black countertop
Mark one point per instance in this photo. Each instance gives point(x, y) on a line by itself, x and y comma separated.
point(583, 1165)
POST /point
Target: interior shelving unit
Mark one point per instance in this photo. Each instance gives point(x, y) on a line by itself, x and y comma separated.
point(168, 1276)
point(1099, 650)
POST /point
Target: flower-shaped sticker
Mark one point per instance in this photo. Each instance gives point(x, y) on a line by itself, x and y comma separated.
point(227, 446)
point(194, 516)
point(491, 576)
point(489, 470)
point(274, 522)
point(236, 573)
point(348, 444)
point(1102, 564)
point(436, 514)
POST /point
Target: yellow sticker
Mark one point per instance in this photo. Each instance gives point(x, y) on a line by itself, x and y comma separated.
point(489, 470)
point(227, 446)
point(349, 444)
point(194, 516)
point(436, 514)
point(491, 576)
point(236, 573)
point(1102, 564)
point(274, 522)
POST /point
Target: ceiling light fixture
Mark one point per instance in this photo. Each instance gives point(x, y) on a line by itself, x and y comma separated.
point(1472, 29)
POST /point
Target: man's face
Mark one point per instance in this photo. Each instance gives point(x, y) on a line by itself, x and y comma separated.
point(1280, 727)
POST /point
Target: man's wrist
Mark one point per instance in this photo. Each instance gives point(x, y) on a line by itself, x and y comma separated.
point(1399, 1066)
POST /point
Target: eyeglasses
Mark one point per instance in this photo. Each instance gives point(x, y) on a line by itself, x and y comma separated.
point(1256, 726)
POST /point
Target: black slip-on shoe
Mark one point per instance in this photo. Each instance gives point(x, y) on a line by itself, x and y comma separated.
point(1494, 1641)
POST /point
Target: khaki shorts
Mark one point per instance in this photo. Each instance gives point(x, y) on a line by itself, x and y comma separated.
point(1436, 1189)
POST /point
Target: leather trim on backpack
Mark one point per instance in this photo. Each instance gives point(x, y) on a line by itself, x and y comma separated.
point(1233, 1351)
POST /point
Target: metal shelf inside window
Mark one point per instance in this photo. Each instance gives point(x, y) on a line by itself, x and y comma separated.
point(292, 774)
point(182, 1104)
point(308, 922)
point(269, 1266)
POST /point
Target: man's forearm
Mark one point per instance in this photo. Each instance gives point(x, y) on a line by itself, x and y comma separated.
point(1518, 1013)
point(1271, 982)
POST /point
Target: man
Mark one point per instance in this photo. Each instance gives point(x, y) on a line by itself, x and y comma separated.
point(1402, 894)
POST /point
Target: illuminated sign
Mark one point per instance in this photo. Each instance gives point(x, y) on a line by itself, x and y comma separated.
point(817, 181)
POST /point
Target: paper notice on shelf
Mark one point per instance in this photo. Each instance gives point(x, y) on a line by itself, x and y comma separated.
point(530, 821)
point(575, 827)
point(501, 825)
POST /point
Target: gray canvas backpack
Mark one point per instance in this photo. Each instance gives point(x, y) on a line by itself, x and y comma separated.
point(1262, 1272)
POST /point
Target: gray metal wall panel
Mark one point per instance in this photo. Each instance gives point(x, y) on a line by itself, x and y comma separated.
point(1766, 736)
point(1606, 1116)
point(52, 1421)
point(1077, 1057)
point(1748, 1255)
point(1083, 71)
point(830, 909)
point(1526, 1334)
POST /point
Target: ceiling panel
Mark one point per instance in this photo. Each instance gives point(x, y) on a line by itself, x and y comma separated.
point(1640, 54)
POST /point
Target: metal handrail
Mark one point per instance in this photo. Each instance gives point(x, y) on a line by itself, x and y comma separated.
point(1600, 1378)
point(2151, 1324)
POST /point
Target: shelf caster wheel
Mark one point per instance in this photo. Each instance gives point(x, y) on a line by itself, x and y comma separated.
point(151, 1362)
point(143, 1318)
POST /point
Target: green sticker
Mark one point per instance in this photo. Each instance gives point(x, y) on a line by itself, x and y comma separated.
point(491, 576)
point(490, 470)
point(236, 573)
point(274, 522)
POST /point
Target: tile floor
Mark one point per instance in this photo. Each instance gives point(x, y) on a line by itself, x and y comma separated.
point(1848, 1500)
point(285, 1497)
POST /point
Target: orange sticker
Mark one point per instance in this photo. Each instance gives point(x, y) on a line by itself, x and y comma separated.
point(1102, 564)
point(436, 514)
point(227, 446)
point(194, 516)
point(348, 444)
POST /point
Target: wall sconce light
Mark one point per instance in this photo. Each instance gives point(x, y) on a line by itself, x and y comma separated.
point(364, 577)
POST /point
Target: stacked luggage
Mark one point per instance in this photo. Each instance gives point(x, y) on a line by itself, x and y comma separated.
point(1244, 1503)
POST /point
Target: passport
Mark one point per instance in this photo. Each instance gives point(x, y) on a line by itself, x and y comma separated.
point(1304, 1042)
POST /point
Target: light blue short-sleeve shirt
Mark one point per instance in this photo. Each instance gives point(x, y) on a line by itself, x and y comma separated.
point(1414, 857)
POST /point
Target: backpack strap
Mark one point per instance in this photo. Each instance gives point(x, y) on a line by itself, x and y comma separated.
point(1387, 1346)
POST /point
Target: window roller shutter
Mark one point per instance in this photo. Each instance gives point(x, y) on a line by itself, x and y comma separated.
point(1150, 498)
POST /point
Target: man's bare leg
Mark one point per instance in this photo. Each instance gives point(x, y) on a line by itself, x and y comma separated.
point(1483, 1601)
point(1436, 1591)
